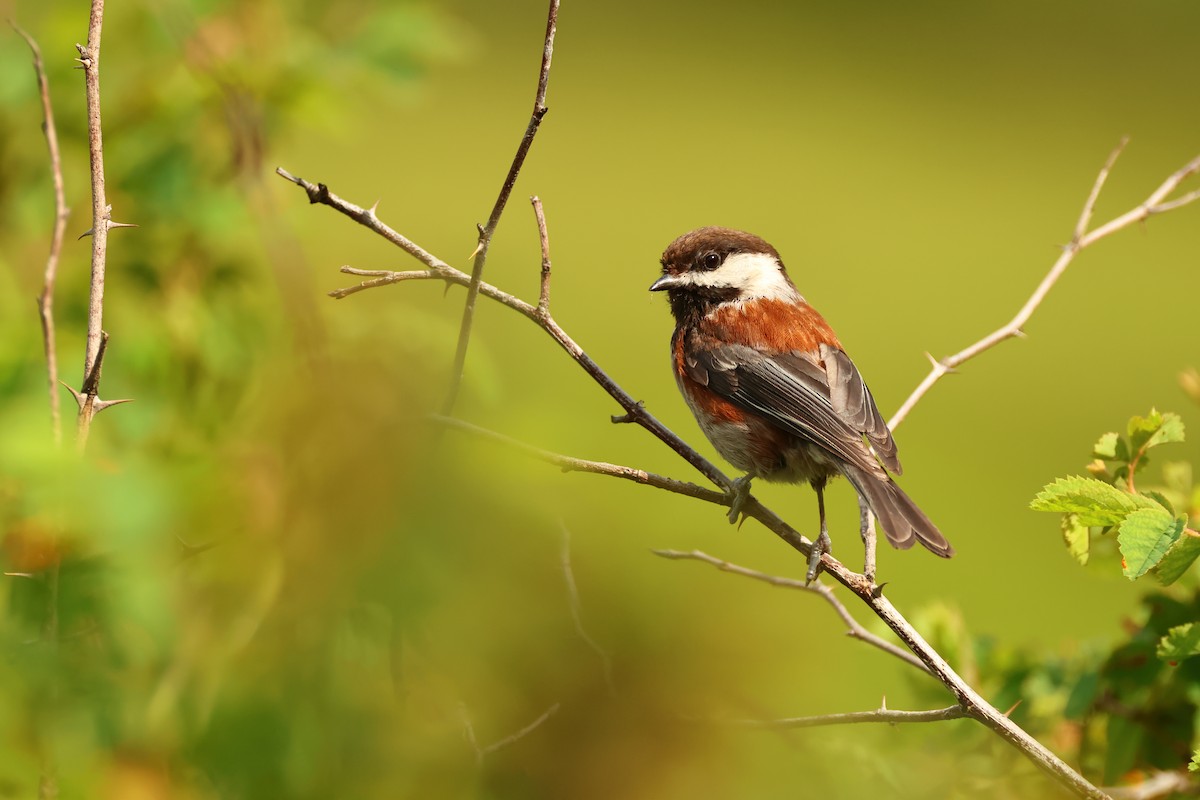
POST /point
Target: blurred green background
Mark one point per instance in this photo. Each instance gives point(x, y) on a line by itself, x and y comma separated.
point(274, 585)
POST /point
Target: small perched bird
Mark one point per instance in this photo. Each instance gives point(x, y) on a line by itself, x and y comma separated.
point(771, 386)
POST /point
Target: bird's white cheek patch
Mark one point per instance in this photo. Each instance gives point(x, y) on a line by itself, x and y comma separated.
point(756, 275)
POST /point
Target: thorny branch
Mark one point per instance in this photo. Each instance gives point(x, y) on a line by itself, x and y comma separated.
point(45, 300)
point(974, 705)
point(88, 397)
point(488, 230)
point(1156, 203)
point(856, 629)
point(969, 703)
point(884, 715)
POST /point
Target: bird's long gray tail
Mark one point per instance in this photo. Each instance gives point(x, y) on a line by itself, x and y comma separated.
point(902, 521)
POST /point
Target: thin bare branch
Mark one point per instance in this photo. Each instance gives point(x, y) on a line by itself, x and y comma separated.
point(521, 734)
point(856, 630)
point(319, 193)
point(968, 700)
point(544, 240)
point(572, 464)
point(884, 715)
point(487, 231)
point(1156, 203)
point(97, 340)
point(469, 733)
point(482, 752)
point(1085, 218)
point(1159, 784)
point(577, 612)
point(45, 300)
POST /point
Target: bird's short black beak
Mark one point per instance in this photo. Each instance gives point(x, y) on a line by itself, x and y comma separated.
point(665, 282)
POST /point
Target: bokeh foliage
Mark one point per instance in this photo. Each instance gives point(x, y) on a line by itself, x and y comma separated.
point(277, 581)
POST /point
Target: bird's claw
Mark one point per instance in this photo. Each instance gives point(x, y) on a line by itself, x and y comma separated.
point(821, 546)
point(739, 493)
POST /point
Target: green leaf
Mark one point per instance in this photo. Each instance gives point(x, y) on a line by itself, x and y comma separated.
point(1194, 766)
point(1124, 740)
point(1182, 641)
point(1083, 694)
point(1178, 560)
point(1154, 429)
point(1144, 538)
point(1170, 432)
point(1106, 448)
point(1077, 537)
point(1162, 500)
point(1095, 502)
point(1140, 429)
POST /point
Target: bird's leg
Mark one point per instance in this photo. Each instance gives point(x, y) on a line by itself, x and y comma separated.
point(738, 495)
point(822, 544)
point(867, 529)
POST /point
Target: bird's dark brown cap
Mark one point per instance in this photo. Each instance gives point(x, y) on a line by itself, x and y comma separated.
point(685, 252)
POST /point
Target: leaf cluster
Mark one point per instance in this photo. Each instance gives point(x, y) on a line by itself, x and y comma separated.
point(1137, 707)
point(1153, 526)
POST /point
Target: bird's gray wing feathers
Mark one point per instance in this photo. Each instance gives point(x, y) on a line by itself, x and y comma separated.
point(853, 402)
point(795, 393)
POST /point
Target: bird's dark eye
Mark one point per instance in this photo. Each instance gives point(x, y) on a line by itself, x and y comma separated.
point(711, 260)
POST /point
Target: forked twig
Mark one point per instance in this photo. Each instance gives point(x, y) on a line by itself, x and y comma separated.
point(969, 703)
point(482, 751)
point(856, 629)
point(577, 613)
point(1156, 203)
point(488, 230)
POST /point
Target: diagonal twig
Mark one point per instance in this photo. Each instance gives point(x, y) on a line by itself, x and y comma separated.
point(976, 707)
point(45, 300)
point(884, 715)
point(1082, 238)
point(572, 464)
point(488, 230)
point(577, 612)
point(482, 751)
point(856, 629)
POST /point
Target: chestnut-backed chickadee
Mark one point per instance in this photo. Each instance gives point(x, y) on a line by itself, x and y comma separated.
point(771, 386)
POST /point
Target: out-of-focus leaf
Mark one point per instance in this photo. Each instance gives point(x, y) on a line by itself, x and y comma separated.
point(1144, 538)
point(1182, 641)
point(1106, 447)
point(1124, 740)
point(1077, 537)
point(1083, 694)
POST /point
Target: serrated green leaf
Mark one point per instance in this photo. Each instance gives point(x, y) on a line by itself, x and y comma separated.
point(1076, 537)
point(1106, 448)
point(1095, 502)
point(1140, 429)
point(1144, 538)
point(1194, 765)
point(1162, 500)
point(1169, 431)
point(1182, 641)
point(1178, 560)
